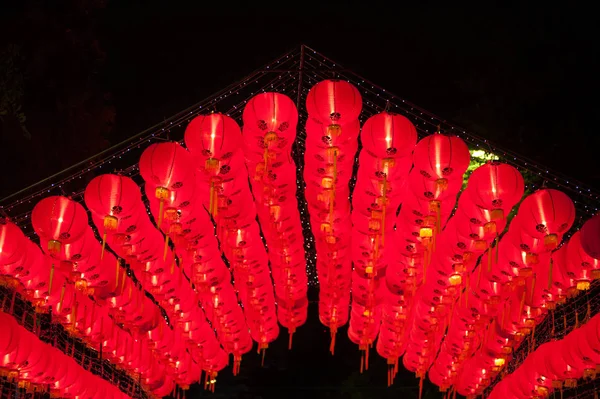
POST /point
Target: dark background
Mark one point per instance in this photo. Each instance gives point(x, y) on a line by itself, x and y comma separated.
point(79, 75)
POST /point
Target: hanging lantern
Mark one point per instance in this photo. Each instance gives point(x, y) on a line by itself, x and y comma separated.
point(388, 135)
point(334, 103)
point(213, 139)
point(496, 187)
point(547, 214)
point(441, 158)
point(590, 237)
point(166, 167)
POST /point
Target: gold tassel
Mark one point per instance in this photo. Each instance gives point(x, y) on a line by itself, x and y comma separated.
point(166, 247)
point(103, 245)
point(332, 343)
point(118, 266)
point(62, 297)
point(161, 207)
point(51, 277)
point(497, 247)
point(362, 363)
point(550, 274)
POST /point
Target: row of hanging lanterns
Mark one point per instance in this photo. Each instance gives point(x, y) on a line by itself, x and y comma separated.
point(386, 157)
point(215, 141)
point(503, 307)
point(430, 195)
point(555, 365)
point(332, 129)
point(70, 271)
point(269, 130)
point(39, 367)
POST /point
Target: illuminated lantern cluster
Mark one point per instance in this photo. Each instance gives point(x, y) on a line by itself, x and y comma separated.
point(555, 365)
point(270, 122)
point(332, 129)
point(492, 191)
point(418, 278)
point(386, 158)
point(510, 292)
point(78, 274)
point(37, 366)
point(215, 141)
point(188, 226)
point(120, 215)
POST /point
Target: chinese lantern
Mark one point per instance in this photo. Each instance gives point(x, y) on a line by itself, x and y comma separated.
point(388, 135)
point(166, 167)
point(213, 138)
point(439, 157)
point(334, 103)
point(112, 198)
point(590, 237)
point(58, 220)
point(496, 187)
point(547, 214)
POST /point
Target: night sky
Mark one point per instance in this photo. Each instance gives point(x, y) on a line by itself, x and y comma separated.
point(87, 74)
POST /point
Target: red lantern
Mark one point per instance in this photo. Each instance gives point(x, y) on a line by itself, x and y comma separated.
point(547, 214)
point(334, 103)
point(590, 237)
point(213, 139)
point(166, 167)
point(388, 135)
point(272, 118)
point(439, 157)
point(12, 243)
point(496, 187)
point(58, 220)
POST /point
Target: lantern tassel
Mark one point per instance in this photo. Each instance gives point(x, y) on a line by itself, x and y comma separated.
point(62, 297)
point(117, 274)
point(420, 387)
point(533, 279)
point(291, 332)
point(103, 245)
point(332, 343)
point(262, 360)
point(362, 362)
point(51, 277)
point(161, 206)
point(166, 249)
point(550, 273)
point(489, 263)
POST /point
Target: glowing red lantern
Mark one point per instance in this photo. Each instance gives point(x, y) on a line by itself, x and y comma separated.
point(12, 242)
point(334, 103)
point(388, 135)
point(213, 138)
point(547, 214)
point(496, 187)
point(274, 117)
point(590, 237)
point(166, 167)
point(441, 157)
